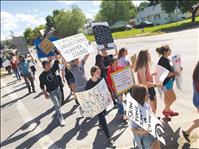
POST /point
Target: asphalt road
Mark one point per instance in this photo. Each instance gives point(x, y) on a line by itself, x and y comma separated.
point(27, 121)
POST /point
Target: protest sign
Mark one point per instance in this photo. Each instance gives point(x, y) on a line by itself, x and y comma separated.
point(145, 119)
point(40, 52)
point(122, 80)
point(73, 47)
point(103, 35)
point(46, 46)
point(21, 45)
point(133, 59)
point(6, 63)
point(176, 60)
point(95, 100)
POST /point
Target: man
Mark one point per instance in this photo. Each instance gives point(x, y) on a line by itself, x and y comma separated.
point(25, 72)
point(49, 81)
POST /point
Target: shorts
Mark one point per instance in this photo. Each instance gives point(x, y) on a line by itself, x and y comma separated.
point(152, 93)
point(169, 85)
point(146, 140)
point(70, 81)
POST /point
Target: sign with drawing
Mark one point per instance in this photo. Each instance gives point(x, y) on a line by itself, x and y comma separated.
point(176, 59)
point(46, 46)
point(95, 100)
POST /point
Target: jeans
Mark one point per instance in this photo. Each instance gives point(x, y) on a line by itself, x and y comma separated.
point(56, 98)
point(119, 103)
point(103, 123)
point(28, 78)
point(16, 71)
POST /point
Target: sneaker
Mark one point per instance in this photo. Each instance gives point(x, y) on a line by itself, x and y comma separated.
point(186, 136)
point(62, 122)
point(111, 143)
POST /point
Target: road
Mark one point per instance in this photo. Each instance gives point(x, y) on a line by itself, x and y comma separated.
point(27, 121)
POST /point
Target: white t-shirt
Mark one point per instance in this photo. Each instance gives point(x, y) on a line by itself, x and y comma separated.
point(123, 61)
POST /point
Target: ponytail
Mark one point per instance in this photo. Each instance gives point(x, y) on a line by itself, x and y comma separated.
point(161, 50)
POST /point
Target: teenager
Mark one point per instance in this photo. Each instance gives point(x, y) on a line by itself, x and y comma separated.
point(141, 136)
point(123, 59)
point(195, 123)
point(95, 79)
point(50, 86)
point(108, 57)
point(169, 94)
point(145, 77)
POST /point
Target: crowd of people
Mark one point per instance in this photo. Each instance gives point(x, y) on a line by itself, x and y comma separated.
point(57, 71)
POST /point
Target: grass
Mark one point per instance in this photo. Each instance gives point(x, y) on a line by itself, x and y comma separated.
point(176, 26)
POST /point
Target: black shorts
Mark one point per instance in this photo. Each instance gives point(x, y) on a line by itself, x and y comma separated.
point(152, 93)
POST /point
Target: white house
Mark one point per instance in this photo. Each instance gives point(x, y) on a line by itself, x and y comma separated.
point(158, 16)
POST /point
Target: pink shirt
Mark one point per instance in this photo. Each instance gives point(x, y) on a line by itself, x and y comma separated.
point(148, 75)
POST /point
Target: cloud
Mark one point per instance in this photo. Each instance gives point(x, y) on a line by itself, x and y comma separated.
point(8, 21)
point(30, 19)
point(69, 2)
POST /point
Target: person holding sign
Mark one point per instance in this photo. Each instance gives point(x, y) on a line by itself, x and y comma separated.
point(145, 77)
point(95, 79)
point(108, 58)
point(113, 67)
point(195, 102)
point(99, 61)
point(141, 136)
point(169, 94)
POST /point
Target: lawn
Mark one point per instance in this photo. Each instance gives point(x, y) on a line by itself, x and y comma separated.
point(180, 25)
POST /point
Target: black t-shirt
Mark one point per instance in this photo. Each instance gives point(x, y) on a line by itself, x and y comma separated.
point(68, 74)
point(107, 60)
point(90, 84)
point(165, 62)
point(49, 78)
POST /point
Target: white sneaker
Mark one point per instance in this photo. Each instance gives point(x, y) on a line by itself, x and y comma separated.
point(62, 123)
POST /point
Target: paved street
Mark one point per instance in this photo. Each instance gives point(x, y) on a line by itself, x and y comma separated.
point(27, 121)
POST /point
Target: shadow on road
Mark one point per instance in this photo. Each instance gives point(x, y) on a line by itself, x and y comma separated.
point(12, 139)
point(9, 84)
point(37, 96)
point(13, 91)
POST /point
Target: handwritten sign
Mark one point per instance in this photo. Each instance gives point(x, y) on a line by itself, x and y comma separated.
point(176, 59)
point(95, 100)
point(103, 35)
point(122, 80)
point(145, 119)
point(46, 45)
point(73, 47)
point(21, 45)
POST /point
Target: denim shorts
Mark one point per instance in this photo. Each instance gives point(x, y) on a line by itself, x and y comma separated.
point(169, 85)
point(145, 141)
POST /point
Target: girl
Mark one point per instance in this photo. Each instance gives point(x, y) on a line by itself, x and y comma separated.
point(144, 76)
point(123, 59)
point(169, 94)
point(141, 136)
point(95, 79)
point(195, 102)
point(113, 66)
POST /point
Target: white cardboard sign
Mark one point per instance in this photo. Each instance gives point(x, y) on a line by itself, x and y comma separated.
point(176, 59)
point(73, 47)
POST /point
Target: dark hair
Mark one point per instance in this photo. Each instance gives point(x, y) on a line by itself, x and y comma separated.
point(196, 75)
point(142, 59)
point(112, 61)
point(121, 53)
point(161, 50)
point(99, 59)
point(94, 69)
point(44, 63)
point(139, 92)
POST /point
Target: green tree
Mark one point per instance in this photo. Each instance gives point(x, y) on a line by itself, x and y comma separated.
point(29, 36)
point(142, 6)
point(50, 23)
point(69, 22)
point(113, 11)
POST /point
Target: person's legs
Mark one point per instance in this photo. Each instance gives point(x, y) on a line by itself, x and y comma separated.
point(138, 140)
point(17, 72)
point(103, 123)
point(150, 142)
point(27, 83)
point(153, 104)
point(32, 82)
point(194, 125)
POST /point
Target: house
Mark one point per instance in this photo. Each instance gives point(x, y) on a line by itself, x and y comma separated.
point(158, 16)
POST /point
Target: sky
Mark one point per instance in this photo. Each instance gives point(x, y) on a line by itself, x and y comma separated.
point(19, 15)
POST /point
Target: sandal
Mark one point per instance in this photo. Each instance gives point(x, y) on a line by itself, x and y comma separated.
point(166, 114)
point(186, 136)
point(172, 113)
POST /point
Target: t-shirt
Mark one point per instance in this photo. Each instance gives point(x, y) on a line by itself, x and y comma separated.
point(13, 65)
point(132, 124)
point(165, 62)
point(49, 78)
point(123, 61)
point(24, 68)
point(78, 72)
point(90, 84)
point(107, 60)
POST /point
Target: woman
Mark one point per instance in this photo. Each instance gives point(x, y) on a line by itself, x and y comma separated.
point(169, 94)
point(95, 79)
point(144, 76)
point(99, 61)
point(113, 67)
point(195, 102)
point(141, 136)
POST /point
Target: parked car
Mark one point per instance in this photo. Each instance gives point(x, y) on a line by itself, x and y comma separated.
point(144, 24)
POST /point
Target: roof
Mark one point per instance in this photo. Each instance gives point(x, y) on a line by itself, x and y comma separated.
point(152, 10)
point(119, 24)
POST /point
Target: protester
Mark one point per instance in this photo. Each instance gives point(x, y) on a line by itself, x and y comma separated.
point(195, 124)
point(95, 79)
point(15, 68)
point(99, 61)
point(123, 59)
point(169, 94)
point(108, 58)
point(145, 77)
point(141, 136)
point(32, 65)
point(26, 73)
point(51, 86)
point(113, 67)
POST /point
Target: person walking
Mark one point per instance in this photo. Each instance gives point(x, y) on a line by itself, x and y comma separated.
point(15, 68)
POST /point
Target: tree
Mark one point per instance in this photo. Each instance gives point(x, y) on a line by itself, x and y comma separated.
point(50, 23)
point(184, 5)
point(113, 11)
point(69, 22)
point(142, 6)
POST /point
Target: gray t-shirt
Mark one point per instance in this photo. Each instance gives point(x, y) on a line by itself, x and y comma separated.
point(78, 72)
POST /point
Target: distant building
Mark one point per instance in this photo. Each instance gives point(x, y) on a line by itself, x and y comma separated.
point(158, 16)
